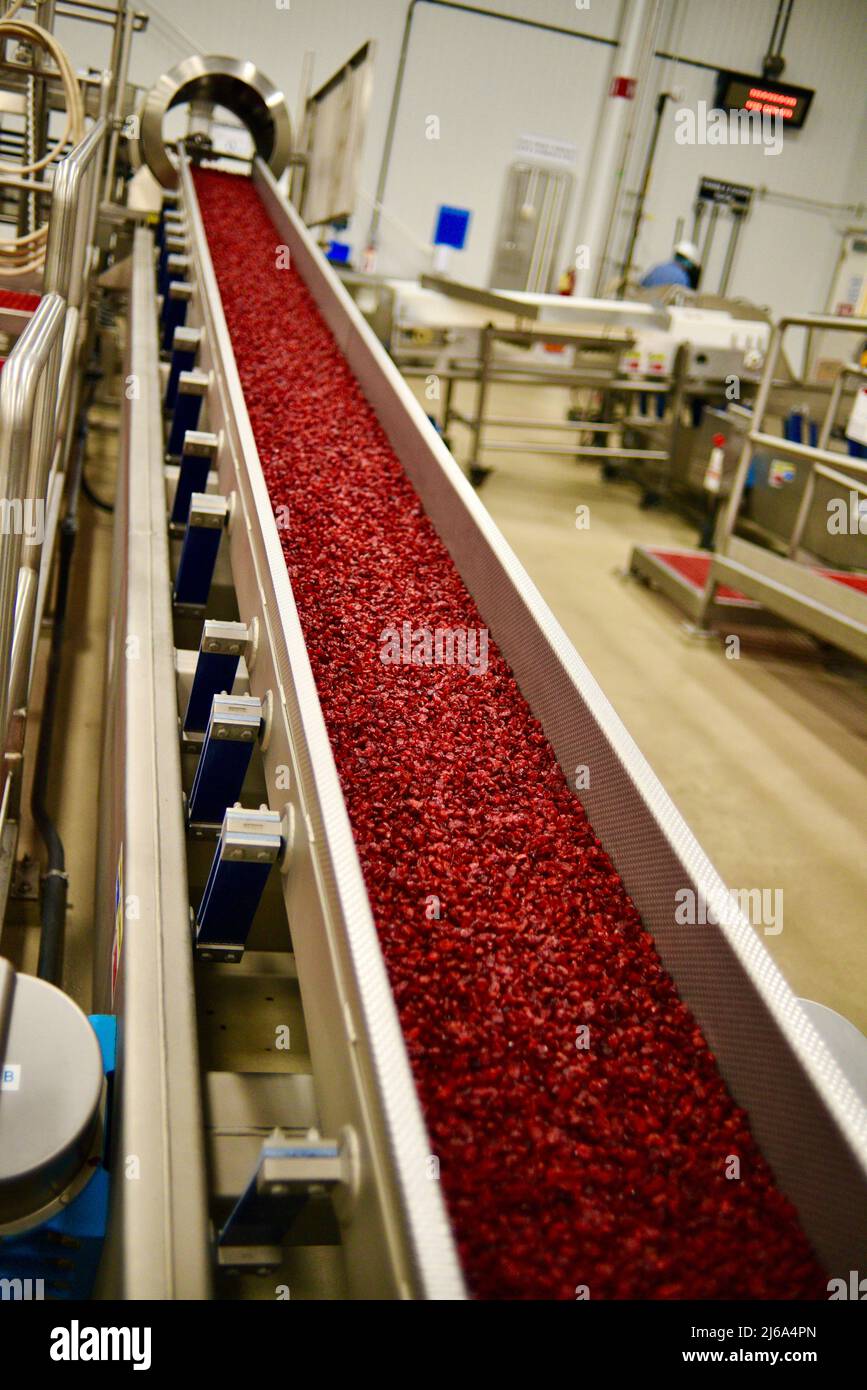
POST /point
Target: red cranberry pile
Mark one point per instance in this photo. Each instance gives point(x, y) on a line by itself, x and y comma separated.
point(509, 939)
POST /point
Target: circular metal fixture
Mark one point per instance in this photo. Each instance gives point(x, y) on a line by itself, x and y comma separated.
point(237, 85)
point(52, 1083)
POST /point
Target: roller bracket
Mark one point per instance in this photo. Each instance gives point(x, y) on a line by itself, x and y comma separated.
point(234, 726)
point(180, 292)
point(173, 244)
point(197, 451)
point(184, 350)
point(291, 1172)
point(250, 842)
point(192, 389)
point(220, 650)
point(207, 518)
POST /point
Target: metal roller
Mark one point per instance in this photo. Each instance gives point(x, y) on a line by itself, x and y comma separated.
point(237, 85)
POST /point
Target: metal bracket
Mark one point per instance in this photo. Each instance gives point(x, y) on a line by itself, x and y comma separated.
point(250, 842)
point(208, 517)
point(192, 389)
point(185, 346)
point(220, 649)
point(291, 1171)
point(173, 244)
point(234, 726)
point(197, 451)
point(177, 297)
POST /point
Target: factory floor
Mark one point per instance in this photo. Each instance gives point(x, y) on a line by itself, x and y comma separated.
point(764, 755)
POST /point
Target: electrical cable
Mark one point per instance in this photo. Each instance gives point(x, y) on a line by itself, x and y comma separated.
point(25, 254)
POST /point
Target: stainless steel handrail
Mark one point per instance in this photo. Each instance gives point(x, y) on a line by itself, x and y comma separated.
point(832, 322)
point(858, 465)
point(28, 400)
point(73, 214)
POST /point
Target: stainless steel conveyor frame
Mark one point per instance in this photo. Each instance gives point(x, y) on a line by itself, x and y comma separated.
point(829, 610)
point(397, 1242)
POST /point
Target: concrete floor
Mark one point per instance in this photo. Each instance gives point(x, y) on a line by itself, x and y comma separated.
point(764, 755)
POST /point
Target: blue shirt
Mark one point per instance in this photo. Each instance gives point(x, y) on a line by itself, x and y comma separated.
point(668, 273)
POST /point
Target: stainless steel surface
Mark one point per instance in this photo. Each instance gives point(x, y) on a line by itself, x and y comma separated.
point(476, 294)
point(158, 1238)
point(73, 211)
point(333, 139)
point(49, 1106)
point(831, 611)
point(120, 54)
point(230, 82)
point(28, 396)
point(530, 227)
point(22, 637)
point(398, 1242)
point(847, 373)
point(803, 1110)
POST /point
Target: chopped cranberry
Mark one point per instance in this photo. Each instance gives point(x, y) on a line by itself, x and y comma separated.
point(561, 1165)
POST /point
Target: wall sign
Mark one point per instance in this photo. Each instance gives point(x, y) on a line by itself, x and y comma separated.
point(546, 147)
point(732, 195)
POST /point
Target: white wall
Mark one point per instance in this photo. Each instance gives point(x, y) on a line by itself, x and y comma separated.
point(787, 253)
point(489, 81)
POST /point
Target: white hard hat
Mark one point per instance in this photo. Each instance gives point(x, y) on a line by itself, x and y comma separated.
point(688, 251)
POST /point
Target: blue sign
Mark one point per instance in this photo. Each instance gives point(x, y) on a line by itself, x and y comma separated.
point(451, 228)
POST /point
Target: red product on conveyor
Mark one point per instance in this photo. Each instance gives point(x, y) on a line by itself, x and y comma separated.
point(562, 1166)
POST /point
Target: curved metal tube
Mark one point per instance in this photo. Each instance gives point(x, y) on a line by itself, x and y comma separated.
point(236, 84)
point(73, 213)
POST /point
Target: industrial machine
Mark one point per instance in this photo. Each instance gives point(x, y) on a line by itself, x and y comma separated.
point(805, 559)
point(635, 373)
point(390, 920)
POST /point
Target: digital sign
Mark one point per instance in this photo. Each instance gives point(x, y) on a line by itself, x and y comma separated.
point(736, 91)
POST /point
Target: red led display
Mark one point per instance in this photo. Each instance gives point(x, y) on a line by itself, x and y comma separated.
point(737, 91)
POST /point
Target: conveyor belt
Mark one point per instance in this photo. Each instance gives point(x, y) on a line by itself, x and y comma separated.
point(606, 1165)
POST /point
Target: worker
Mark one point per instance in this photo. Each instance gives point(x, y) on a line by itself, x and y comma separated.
point(683, 269)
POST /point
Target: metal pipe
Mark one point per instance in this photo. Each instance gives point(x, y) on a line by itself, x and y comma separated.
point(22, 636)
point(642, 192)
point(822, 443)
point(637, 25)
point(725, 275)
point(119, 99)
point(728, 515)
point(708, 242)
point(30, 358)
point(70, 208)
point(596, 451)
